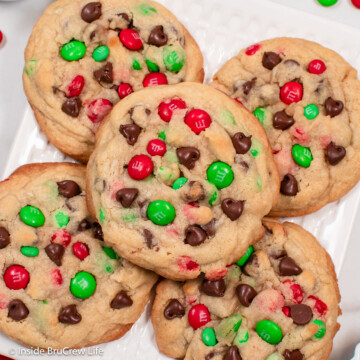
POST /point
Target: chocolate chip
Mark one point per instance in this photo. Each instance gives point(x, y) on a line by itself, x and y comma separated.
point(279, 254)
point(84, 225)
point(301, 314)
point(248, 86)
point(214, 288)
point(4, 238)
point(91, 12)
point(194, 191)
point(92, 35)
point(188, 156)
point(124, 16)
point(232, 354)
point(333, 107)
point(174, 310)
point(121, 300)
point(69, 315)
point(242, 143)
point(293, 355)
point(270, 60)
point(194, 235)
point(104, 74)
point(210, 228)
point(17, 310)
point(148, 238)
point(289, 185)
point(68, 188)
point(126, 196)
point(334, 153)
point(291, 62)
point(157, 36)
point(288, 267)
point(72, 107)
point(55, 252)
point(246, 294)
point(130, 132)
point(98, 233)
point(282, 121)
point(209, 356)
point(232, 208)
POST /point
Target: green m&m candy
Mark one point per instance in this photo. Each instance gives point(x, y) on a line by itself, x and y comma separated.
point(220, 174)
point(302, 155)
point(322, 329)
point(269, 331)
point(73, 50)
point(311, 111)
point(260, 115)
point(173, 58)
point(246, 257)
point(29, 251)
point(83, 285)
point(62, 219)
point(327, 2)
point(151, 66)
point(209, 337)
point(162, 135)
point(136, 65)
point(228, 327)
point(179, 183)
point(242, 336)
point(101, 53)
point(110, 253)
point(146, 9)
point(274, 356)
point(161, 212)
point(32, 216)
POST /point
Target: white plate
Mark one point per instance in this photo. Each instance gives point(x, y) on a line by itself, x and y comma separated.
point(222, 27)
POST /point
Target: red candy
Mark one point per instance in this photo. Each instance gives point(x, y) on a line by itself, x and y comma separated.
point(291, 92)
point(286, 311)
point(166, 108)
point(16, 277)
point(297, 293)
point(319, 305)
point(56, 277)
point(317, 67)
point(238, 101)
point(198, 316)
point(1, 36)
point(253, 49)
point(185, 263)
point(154, 79)
point(140, 167)
point(356, 3)
point(124, 90)
point(130, 39)
point(98, 109)
point(198, 120)
point(75, 87)
point(81, 251)
point(217, 274)
point(156, 147)
point(61, 237)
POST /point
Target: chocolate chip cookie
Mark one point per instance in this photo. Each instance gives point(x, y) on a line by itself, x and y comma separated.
point(180, 179)
point(306, 97)
point(83, 57)
point(59, 279)
point(278, 302)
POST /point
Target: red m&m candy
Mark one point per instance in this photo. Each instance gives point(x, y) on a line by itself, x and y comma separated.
point(124, 90)
point(198, 120)
point(98, 109)
point(56, 277)
point(166, 108)
point(291, 92)
point(130, 39)
point(154, 79)
point(16, 277)
point(61, 237)
point(198, 316)
point(156, 147)
point(286, 311)
point(75, 87)
point(356, 3)
point(253, 49)
point(296, 291)
point(1, 36)
point(317, 67)
point(81, 250)
point(140, 167)
point(319, 305)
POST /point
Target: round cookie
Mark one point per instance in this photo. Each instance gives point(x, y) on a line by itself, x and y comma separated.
point(281, 303)
point(180, 179)
point(306, 97)
point(83, 57)
point(58, 277)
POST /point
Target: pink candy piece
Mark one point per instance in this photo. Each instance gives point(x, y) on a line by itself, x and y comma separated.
point(319, 305)
point(185, 263)
point(75, 87)
point(325, 141)
point(198, 120)
point(285, 163)
point(98, 109)
point(198, 316)
point(115, 188)
point(269, 300)
point(61, 237)
point(299, 135)
point(168, 107)
point(156, 147)
point(131, 39)
point(253, 49)
point(3, 301)
point(216, 274)
point(154, 79)
point(317, 67)
point(124, 90)
point(291, 92)
point(292, 292)
point(56, 277)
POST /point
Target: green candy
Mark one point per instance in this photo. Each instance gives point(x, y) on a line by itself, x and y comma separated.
point(162, 135)
point(179, 183)
point(29, 251)
point(220, 174)
point(151, 66)
point(161, 212)
point(242, 336)
point(30, 67)
point(174, 60)
point(213, 198)
point(146, 9)
point(274, 356)
point(327, 2)
point(73, 50)
point(227, 118)
point(62, 219)
point(136, 65)
point(110, 253)
point(130, 217)
point(269, 331)
point(101, 53)
point(246, 257)
point(302, 155)
point(311, 111)
point(32, 216)
point(209, 337)
point(260, 115)
point(102, 215)
point(228, 327)
point(322, 329)
point(83, 285)
point(258, 182)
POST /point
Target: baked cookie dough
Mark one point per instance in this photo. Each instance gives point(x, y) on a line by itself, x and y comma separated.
point(83, 57)
point(306, 97)
point(180, 179)
point(279, 302)
point(61, 285)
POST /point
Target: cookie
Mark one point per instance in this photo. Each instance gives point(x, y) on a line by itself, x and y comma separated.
point(58, 277)
point(306, 97)
point(280, 302)
point(180, 179)
point(83, 57)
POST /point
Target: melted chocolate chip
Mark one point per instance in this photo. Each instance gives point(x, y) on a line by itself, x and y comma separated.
point(334, 153)
point(157, 36)
point(333, 107)
point(288, 267)
point(17, 310)
point(214, 288)
point(126, 196)
point(91, 12)
point(248, 86)
point(174, 310)
point(242, 143)
point(130, 132)
point(4, 238)
point(270, 60)
point(98, 233)
point(121, 300)
point(245, 294)
point(148, 238)
point(72, 107)
point(282, 121)
point(210, 228)
point(232, 208)
point(55, 252)
point(301, 314)
point(194, 191)
point(125, 17)
point(188, 156)
point(104, 74)
point(194, 235)
point(68, 188)
point(69, 315)
point(232, 354)
point(84, 225)
point(289, 185)
point(278, 255)
point(209, 356)
point(293, 355)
